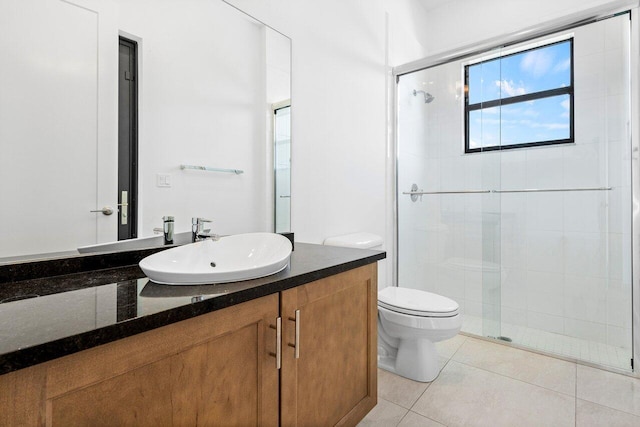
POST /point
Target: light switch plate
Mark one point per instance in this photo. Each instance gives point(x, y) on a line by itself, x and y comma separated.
point(163, 180)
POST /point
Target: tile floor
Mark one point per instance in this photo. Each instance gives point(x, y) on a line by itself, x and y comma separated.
point(487, 384)
point(563, 345)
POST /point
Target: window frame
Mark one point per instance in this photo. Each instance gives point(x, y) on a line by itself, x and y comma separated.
point(567, 90)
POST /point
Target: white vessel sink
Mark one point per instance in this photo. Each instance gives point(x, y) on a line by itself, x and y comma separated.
point(230, 259)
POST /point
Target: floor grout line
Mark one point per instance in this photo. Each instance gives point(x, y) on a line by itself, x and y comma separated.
point(512, 378)
point(403, 417)
point(576, 387)
point(607, 407)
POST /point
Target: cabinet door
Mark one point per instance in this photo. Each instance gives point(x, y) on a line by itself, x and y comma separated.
point(334, 380)
point(214, 369)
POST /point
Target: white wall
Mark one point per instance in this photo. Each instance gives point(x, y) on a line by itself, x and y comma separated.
point(342, 172)
point(202, 102)
point(458, 23)
point(340, 100)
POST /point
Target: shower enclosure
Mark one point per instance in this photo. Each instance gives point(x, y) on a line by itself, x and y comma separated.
point(514, 190)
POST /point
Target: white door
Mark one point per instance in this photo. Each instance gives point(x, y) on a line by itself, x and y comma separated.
point(58, 117)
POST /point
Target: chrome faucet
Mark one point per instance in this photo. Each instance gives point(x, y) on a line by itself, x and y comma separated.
point(198, 232)
point(166, 229)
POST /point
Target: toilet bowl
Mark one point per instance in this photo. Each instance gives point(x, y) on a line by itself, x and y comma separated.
point(410, 321)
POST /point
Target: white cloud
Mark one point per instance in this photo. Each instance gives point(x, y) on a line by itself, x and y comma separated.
point(493, 111)
point(510, 88)
point(537, 62)
point(548, 126)
point(562, 66)
point(527, 112)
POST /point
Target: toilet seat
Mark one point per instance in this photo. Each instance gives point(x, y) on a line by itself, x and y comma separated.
point(416, 302)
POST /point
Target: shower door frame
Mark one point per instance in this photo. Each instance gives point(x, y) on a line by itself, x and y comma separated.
point(561, 24)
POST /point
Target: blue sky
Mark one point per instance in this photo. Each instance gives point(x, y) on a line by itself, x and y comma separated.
point(527, 72)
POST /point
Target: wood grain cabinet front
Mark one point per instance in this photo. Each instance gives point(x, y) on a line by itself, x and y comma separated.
point(329, 358)
point(214, 369)
point(220, 368)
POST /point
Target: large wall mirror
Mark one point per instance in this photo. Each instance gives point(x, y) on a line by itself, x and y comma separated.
point(182, 82)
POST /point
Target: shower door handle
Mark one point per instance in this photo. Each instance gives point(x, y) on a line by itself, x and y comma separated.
point(414, 190)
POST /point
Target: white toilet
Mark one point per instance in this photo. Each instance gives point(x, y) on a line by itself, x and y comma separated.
point(410, 321)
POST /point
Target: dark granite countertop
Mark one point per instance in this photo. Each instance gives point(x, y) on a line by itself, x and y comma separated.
point(46, 317)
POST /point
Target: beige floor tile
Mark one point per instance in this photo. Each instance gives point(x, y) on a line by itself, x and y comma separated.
point(442, 362)
point(414, 420)
point(548, 372)
point(399, 390)
point(592, 415)
point(467, 396)
point(447, 348)
point(385, 414)
point(606, 388)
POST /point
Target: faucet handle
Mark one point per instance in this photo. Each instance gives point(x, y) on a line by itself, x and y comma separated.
point(197, 220)
point(198, 231)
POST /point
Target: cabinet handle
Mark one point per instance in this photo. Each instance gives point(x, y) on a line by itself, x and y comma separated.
point(278, 353)
point(296, 345)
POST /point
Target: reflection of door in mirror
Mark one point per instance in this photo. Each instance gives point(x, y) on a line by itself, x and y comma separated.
point(282, 166)
point(59, 120)
point(127, 139)
point(55, 117)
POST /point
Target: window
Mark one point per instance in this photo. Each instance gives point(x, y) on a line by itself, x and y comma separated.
point(521, 99)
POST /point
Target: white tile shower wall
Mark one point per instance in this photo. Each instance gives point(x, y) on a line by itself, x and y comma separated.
point(565, 258)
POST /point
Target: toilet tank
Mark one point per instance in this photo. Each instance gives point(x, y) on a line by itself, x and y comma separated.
point(356, 240)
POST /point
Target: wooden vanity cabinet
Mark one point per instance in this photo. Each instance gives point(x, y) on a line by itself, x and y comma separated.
point(220, 368)
point(213, 369)
point(333, 379)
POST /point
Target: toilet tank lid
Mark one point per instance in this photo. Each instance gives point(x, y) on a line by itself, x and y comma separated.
point(355, 240)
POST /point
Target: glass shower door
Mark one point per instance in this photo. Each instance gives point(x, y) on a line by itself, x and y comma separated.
point(533, 241)
point(448, 219)
point(566, 216)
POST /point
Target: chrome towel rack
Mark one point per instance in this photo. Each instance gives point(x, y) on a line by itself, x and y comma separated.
point(414, 193)
point(550, 190)
point(210, 169)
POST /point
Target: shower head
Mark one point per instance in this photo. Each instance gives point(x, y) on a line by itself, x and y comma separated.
point(427, 96)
